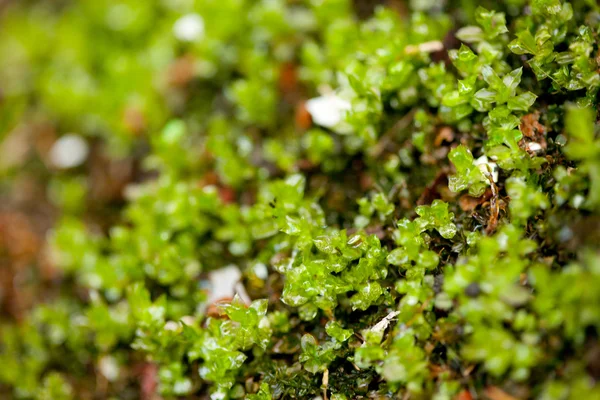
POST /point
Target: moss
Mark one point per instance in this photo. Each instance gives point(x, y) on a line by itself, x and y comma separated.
point(411, 199)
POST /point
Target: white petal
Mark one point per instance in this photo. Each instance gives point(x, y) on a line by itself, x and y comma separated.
point(260, 270)
point(534, 147)
point(188, 320)
point(328, 110)
point(486, 166)
point(223, 282)
point(189, 28)
point(109, 367)
point(172, 326)
point(69, 151)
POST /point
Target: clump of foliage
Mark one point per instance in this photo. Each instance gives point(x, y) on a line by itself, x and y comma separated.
point(434, 236)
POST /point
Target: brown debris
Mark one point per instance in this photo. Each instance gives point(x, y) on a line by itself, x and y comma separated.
point(463, 395)
point(494, 208)
point(445, 134)
point(19, 246)
point(133, 120)
point(215, 309)
point(209, 178)
point(108, 176)
point(366, 181)
point(149, 382)
point(45, 137)
point(305, 164)
point(469, 203)
point(533, 132)
point(433, 190)
point(288, 78)
point(495, 393)
point(17, 237)
point(467, 371)
point(437, 370)
point(530, 125)
point(376, 230)
point(15, 148)
point(181, 71)
point(227, 194)
point(302, 117)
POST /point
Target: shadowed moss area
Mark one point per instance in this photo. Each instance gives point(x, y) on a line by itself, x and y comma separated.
point(299, 199)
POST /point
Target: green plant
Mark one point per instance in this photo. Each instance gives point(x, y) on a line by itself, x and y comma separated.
point(411, 199)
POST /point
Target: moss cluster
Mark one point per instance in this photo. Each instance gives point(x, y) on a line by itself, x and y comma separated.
point(411, 199)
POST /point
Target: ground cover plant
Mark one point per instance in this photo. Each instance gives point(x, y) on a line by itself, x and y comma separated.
point(299, 199)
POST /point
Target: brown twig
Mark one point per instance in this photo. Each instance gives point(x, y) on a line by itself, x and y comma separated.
point(494, 207)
